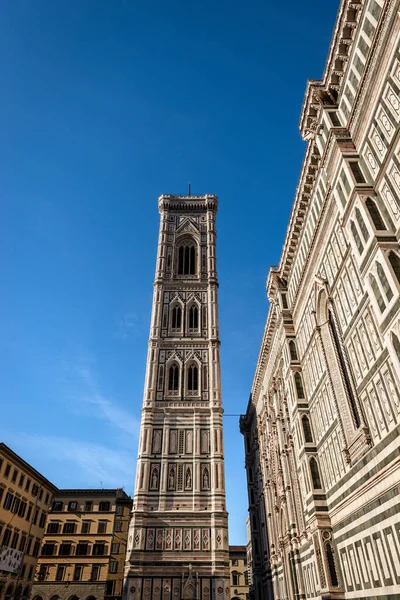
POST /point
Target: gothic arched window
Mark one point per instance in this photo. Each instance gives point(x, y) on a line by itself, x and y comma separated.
point(187, 258)
point(377, 293)
point(344, 369)
point(299, 385)
point(193, 378)
point(193, 318)
point(362, 225)
point(307, 429)
point(316, 479)
point(384, 281)
point(356, 237)
point(331, 565)
point(173, 377)
point(292, 350)
point(375, 215)
point(396, 345)
point(395, 264)
point(176, 317)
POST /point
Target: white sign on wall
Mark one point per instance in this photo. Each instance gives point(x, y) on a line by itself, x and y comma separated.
point(10, 559)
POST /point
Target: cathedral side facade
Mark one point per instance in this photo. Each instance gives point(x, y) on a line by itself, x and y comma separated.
point(178, 540)
point(322, 427)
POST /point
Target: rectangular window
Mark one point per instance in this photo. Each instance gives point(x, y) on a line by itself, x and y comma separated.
point(102, 527)
point(36, 547)
point(7, 537)
point(118, 526)
point(60, 573)
point(7, 470)
point(35, 489)
point(21, 480)
point(14, 476)
point(98, 549)
point(119, 509)
point(35, 516)
point(334, 119)
point(27, 485)
point(22, 509)
point(82, 549)
point(104, 506)
point(22, 543)
point(42, 520)
point(15, 505)
point(47, 498)
point(8, 501)
point(85, 527)
point(77, 573)
point(95, 575)
point(30, 574)
point(40, 493)
point(110, 587)
point(28, 514)
point(29, 546)
point(1, 463)
point(88, 506)
point(115, 549)
point(53, 527)
point(113, 568)
point(1, 493)
point(23, 572)
point(65, 549)
point(14, 542)
point(42, 573)
point(69, 527)
point(48, 549)
point(57, 506)
point(72, 506)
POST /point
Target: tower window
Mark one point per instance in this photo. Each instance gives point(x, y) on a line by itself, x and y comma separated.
point(176, 318)
point(375, 215)
point(361, 224)
point(173, 378)
point(396, 345)
point(187, 259)
point(292, 350)
point(307, 429)
point(193, 378)
point(356, 237)
point(395, 264)
point(299, 385)
point(193, 317)
point(384, 281)
point(377, 293)
point(316, 479)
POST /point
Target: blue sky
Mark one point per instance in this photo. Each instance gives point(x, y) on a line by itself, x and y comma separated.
point(106, 105)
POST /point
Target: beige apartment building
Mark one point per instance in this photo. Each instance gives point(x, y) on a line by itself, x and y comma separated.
point(322, 427)
point(25, 499)
point(239, 573)
point(84, 546)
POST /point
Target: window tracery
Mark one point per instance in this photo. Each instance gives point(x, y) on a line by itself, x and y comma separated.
point(187, 257)
point(173, 379)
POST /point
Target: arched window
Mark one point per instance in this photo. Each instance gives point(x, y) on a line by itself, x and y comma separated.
point(384, 281)
point(176, 317)
point(173, 377)
point(307, 429)
point(362, 225)
point(356, 237)
point(299, 385)
point(193, 318)
point(395, 264)
point(396, 345)
point(331, 565)
point(187, 259)
point(292, 350)
point(377, 293)
point(193, 378)
point(375, 215)
point(344, 369)
point(316, 479)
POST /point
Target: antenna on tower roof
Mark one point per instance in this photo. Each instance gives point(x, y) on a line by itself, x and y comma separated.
point(189, 188)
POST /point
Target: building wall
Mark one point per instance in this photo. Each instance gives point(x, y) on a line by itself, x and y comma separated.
point(25, 499)
point(323, 421)
point(84, 547)
point(239, 572)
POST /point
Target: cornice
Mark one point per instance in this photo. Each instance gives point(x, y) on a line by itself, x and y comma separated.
point(263, 356)
point(170, 202)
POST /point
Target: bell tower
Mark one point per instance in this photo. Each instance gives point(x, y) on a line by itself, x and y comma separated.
point(178, 540)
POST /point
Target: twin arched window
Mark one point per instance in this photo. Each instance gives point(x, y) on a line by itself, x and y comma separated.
point(176, 317)
point(193, 378)
point(193, 318)
point(173, 378)
point(187, 258)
